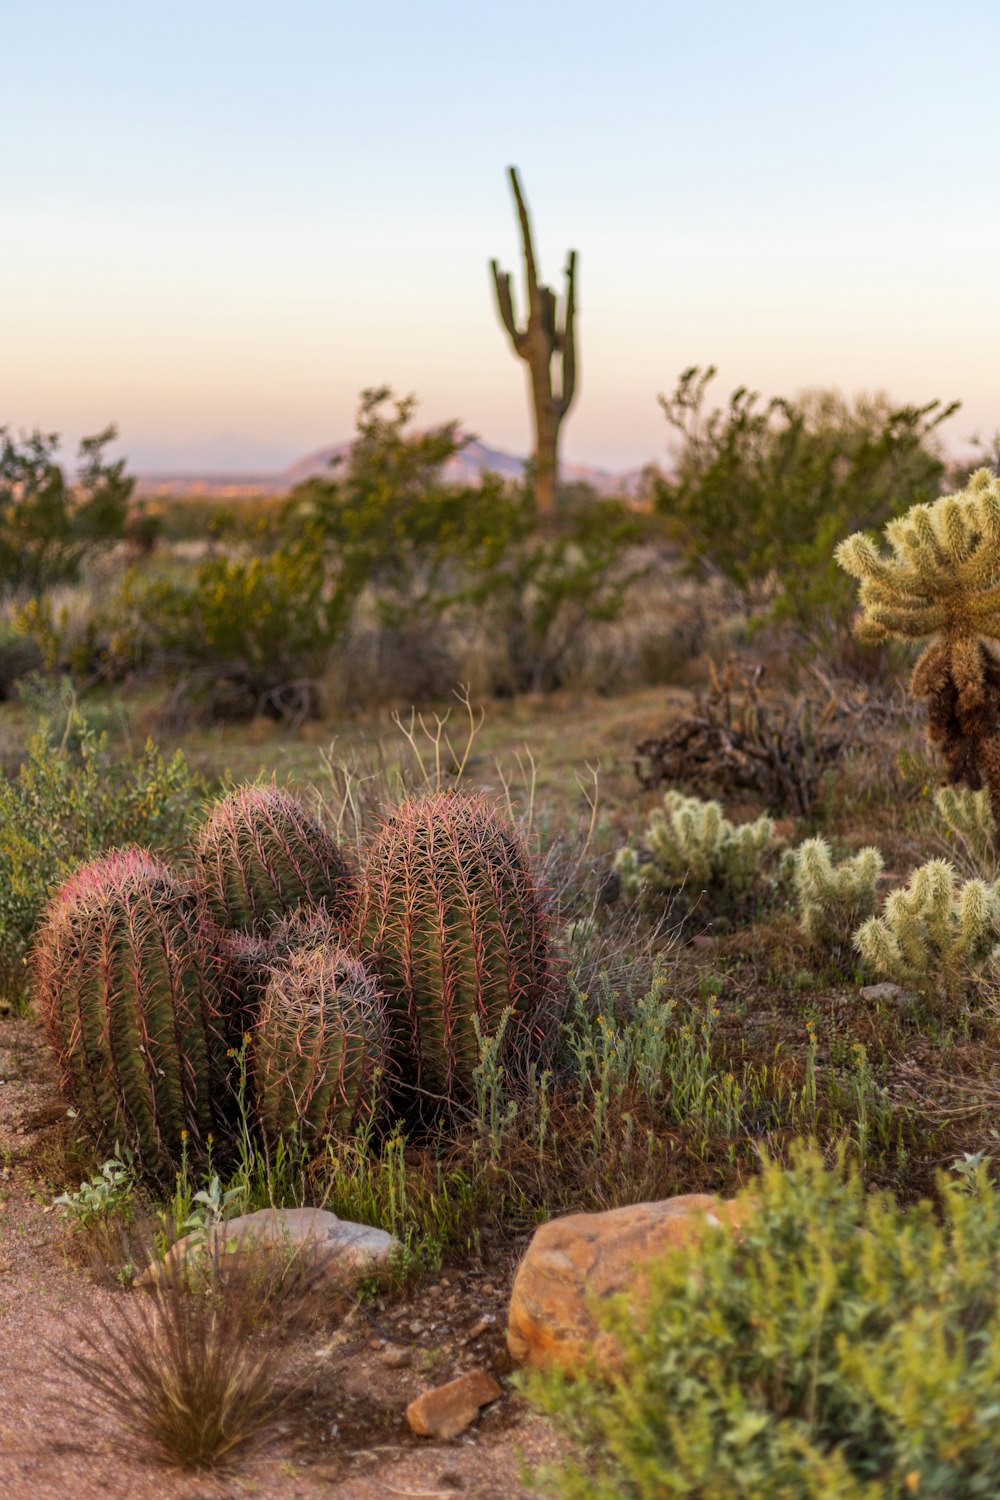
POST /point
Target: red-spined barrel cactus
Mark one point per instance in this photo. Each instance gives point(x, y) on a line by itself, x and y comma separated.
point(452, 920)
point(259, 855)
point(320, 1048)
point(131, 993)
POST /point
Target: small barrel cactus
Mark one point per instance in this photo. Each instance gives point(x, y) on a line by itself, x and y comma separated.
point(832, 899)
point(320, 1047)
point(936, 937)
point(452, 919)
point(131, 993)
point(259, 855)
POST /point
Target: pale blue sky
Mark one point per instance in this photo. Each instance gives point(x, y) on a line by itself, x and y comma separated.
point(221, 221)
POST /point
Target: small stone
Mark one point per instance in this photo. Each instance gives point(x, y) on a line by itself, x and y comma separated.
point(396, 1357)
point(886, 994)
point(447, 1410)
point(343, 1251)
point(479, 1328)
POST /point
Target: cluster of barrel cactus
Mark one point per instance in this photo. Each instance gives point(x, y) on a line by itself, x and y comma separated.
point(354, 989)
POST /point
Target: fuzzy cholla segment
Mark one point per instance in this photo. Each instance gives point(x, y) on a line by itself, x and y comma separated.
point(936, 937)
point(969, 821)
point(452, 921)
point(943, 572)
point(692, 841)
point(260, 855)
point(941, 583)
point(832, 899)
point(320, 1046)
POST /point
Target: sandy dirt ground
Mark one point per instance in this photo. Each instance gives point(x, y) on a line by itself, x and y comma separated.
point(348, 1440)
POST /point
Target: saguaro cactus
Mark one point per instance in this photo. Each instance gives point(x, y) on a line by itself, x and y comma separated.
point(941, 580)
point(130, 989)
point(537, 343)
point(451, 918)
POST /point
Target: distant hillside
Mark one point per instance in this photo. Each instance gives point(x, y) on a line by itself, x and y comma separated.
point(465, 468)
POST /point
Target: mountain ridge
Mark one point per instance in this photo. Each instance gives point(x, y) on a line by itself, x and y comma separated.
point(465, 467)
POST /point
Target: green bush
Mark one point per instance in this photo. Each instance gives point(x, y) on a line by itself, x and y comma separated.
point(251, 633)
point(48, 524)
point(70, 801)
point(839, 1346)
point(763, 490)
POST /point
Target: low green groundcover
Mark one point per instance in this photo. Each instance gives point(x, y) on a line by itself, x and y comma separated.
point(842, 1347)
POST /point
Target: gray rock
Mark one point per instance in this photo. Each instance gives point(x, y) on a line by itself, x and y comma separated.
point(886, 994)
point(343, 1250)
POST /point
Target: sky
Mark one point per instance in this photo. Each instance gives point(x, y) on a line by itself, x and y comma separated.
point(221, 221)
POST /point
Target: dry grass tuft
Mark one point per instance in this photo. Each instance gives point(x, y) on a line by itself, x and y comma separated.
point(193, 1374)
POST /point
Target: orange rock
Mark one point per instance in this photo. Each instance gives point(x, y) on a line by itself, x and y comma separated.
point(449, 1409)
point(579, 1259)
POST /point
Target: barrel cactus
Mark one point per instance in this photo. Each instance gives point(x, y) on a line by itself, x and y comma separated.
point(131, 992)
point(259, 855)
point(320, 1047)
point(452, 919)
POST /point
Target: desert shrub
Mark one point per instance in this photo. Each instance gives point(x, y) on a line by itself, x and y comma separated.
point(935, 937)
point(762, 490)
point(68, 802)
point(838, 1345)
point(249, 634)
point(48, 524)
point(832, 899)
point(692, 843)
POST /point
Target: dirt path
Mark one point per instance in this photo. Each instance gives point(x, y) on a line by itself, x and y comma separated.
point(350, 1442)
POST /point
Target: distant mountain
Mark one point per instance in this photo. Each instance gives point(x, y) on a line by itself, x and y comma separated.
point(466, 467)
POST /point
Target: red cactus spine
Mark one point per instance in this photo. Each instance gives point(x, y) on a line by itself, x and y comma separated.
point(452, 920)
point(260, 855)
point(131, 996)
point(320, 1047)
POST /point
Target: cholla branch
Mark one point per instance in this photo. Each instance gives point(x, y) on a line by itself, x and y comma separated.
point(832, 899)
point(692, 842)
point(940, 582)
point(936, 937)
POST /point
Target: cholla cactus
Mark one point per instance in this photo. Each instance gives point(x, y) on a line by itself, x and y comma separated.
point(936, 937)
point(259, 855)
point(971, 825)
point(832, 899)
point(320, 1047)
point(941, 582)
point(131, 992)
point(693, 842)
point(452, 920)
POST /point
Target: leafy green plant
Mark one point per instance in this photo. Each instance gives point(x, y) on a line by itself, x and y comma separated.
point(48, 524)
point(832, 899)
point(801, 1356)
point(762, 489)
point(72, 798)
point(110, 1192)
point(249, 634)
point(692, 842)
point(935, 937)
